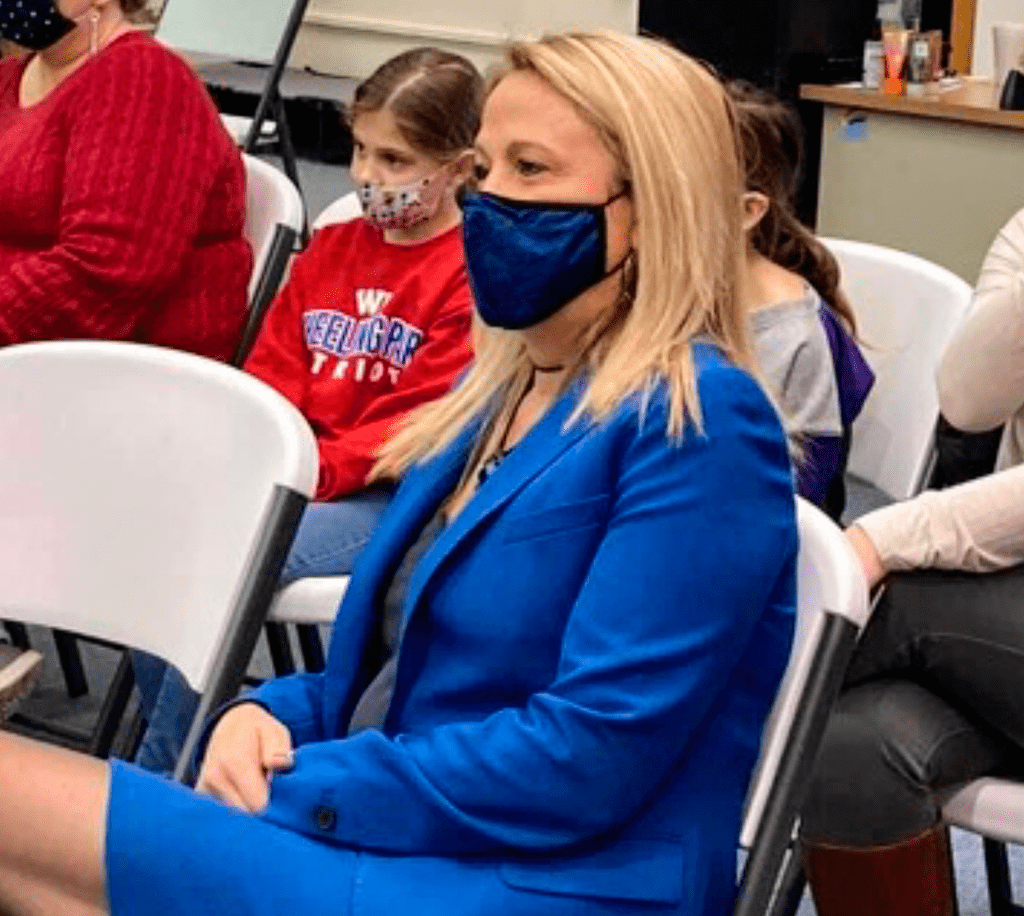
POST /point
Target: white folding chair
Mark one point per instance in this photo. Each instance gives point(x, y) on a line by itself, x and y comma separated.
point(148, 498)
point(832, 608)
point(274, 216)
point(994, 809)
point(308, 604)
point(907, 310)
point(344, 209)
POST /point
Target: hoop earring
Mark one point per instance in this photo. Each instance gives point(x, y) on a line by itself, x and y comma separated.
point(94, 30)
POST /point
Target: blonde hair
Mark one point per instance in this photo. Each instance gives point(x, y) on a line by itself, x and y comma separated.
point(669, 126)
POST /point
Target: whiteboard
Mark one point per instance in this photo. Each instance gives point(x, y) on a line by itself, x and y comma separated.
point(248, 30)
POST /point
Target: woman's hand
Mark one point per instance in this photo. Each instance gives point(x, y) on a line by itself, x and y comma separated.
point(868, 556)
point(246, 748)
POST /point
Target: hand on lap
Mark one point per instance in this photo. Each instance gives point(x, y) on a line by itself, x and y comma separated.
point(246, 748)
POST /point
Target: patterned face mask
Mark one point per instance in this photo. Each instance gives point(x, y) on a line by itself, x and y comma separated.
point(402, 206)
point(33, 24)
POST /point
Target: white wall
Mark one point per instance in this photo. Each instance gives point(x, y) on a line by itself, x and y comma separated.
point(987, 13)
point(352, 37)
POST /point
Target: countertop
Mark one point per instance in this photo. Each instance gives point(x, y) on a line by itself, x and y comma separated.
point(974, 101)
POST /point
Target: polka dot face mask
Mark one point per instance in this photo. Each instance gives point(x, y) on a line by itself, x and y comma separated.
point(33, 24)
point(402, 206)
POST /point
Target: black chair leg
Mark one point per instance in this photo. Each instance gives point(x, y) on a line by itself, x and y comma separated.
point(311, 646)
point(71, 663)
point(112, 711)
point(18, 633)
point(1000, 892)
point(792, 884)
point(280, 649)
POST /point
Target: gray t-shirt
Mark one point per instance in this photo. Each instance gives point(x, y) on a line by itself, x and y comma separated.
point(796, 361)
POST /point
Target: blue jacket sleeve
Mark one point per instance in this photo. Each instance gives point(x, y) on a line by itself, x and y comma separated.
point(294, 701)
point(698, 538)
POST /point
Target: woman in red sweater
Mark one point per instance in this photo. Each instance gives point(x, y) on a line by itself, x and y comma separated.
point(374, 321)
point(122, 197)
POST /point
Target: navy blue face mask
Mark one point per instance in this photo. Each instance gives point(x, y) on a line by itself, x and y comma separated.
point(527, 259)
point(33, 24)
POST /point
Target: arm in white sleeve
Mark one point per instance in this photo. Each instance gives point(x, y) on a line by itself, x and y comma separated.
point(981, 376)
point(976, 527)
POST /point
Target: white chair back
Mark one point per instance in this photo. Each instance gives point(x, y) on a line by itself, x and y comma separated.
point(136, 484)
point(907, 310)
point(829, 579)
point(343, 210)
point(271, 200)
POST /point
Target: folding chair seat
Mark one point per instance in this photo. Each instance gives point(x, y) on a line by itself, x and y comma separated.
point(994, 809)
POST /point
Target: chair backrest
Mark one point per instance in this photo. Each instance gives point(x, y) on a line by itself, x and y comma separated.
point(907, 310)
point(344, 209)
point(271, 200)
point(249, 31)
point(829, 581)
point(832, 607)
point(137, 485)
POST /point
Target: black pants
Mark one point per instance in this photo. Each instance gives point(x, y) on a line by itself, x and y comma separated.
point(934, 697)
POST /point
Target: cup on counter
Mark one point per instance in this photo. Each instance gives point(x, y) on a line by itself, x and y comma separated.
point(1008, 48)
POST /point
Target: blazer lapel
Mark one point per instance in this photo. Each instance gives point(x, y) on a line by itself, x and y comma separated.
point(413, 506)
point(537, 450)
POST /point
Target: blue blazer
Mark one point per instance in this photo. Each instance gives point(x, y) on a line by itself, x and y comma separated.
point(589, 653)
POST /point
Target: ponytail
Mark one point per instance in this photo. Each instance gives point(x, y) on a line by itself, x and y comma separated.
point(799, 250)
point(771, 140)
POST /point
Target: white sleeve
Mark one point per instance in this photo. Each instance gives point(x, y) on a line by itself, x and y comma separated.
point(981, 376)
point(977, 526)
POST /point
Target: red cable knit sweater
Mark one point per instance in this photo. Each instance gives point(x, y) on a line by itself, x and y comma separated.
point(122, 204)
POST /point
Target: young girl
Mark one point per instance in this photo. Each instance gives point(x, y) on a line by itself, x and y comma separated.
point(374, 321)
point(803, 325)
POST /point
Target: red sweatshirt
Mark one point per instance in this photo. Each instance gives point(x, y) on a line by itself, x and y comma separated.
point(362, 333)
point(122, 202)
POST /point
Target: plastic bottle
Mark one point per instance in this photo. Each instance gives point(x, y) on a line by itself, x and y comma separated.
point(874, 59)
point(919, 62)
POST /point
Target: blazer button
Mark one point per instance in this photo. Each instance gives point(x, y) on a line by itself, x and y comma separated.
point(325, 817)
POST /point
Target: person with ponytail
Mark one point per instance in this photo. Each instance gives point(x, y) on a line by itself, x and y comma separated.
point(804, 327)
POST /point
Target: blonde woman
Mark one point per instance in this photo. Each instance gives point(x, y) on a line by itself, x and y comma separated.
point(549, 676)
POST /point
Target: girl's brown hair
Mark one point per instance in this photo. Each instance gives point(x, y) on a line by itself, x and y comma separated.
point(133, 7)
point(435, 98)
point(771, 138)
